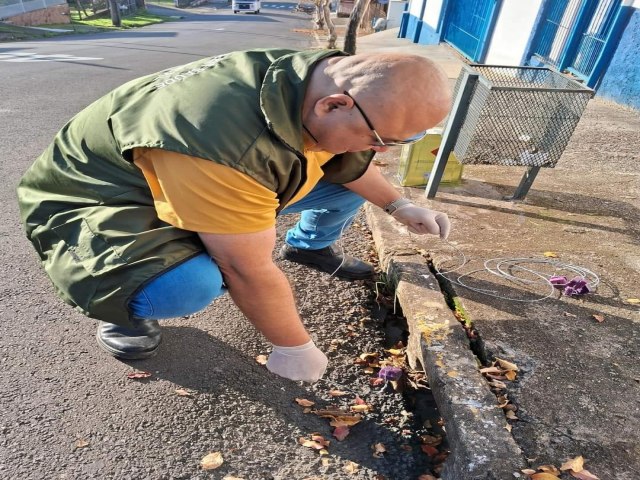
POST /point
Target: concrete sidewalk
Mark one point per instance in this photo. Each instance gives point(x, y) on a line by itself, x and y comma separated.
point(577, 386)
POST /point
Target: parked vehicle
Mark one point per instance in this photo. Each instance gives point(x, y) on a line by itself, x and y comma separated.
point(245, 6)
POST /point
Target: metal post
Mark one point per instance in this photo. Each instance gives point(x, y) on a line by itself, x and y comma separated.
point(451, 131)
point(525, 183)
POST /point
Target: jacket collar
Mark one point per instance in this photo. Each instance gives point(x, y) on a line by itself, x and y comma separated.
point(283, 90)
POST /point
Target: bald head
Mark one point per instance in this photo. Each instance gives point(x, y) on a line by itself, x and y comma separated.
point(403, 93)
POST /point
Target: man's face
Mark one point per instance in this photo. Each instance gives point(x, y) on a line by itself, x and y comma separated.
point(345, 126)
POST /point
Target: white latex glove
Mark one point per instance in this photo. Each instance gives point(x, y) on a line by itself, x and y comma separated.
point(304, 362)
point(422, 220)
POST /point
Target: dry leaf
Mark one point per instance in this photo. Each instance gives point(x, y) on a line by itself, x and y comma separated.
point(576, 464)
point(212, 461)
point(303, 402)
point(82, 443)
point(498, 384)
point(341, 432)
point(490, 370)
point(599, 318)
point(633, 301)
point(508, 428)
point(395, 352)
point(507, 365)
point(431, 440)
point(360, 408)
point(181, 392)
point(550, 254)
point(510, 415)
point(378, 450)
point(549, 469)
point(345, 421)
point(351, 467)
point(528, 471)
point(568, 314)
point(337, 393)
point(584, 475)
point(511, 375)
point(429, 450)
point(138, 375)
point(544, 476)
point(261, 359)
point(325, 462)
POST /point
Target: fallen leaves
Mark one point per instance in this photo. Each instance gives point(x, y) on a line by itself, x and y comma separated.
point(496, 374)
point(599, 318)
point(181, 392)
point(303, 402)
point(315, 442)
point(351, 467)
point(378, 450)
point(82, 443)
point(550, 254)
point(341, 432)
point(573, 466)
point(262, 359)
point(138, 375)
point(576, 464)
point(212, 461)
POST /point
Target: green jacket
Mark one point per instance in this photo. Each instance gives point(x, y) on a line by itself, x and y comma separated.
point(87, 208)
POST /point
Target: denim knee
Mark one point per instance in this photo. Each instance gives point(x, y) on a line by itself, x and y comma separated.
point(183, 290)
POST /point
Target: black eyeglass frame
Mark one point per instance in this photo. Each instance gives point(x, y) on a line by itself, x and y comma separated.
point(382, 143)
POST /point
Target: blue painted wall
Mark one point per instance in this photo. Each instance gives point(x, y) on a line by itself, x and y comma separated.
point(621, 81)
point(426, 36)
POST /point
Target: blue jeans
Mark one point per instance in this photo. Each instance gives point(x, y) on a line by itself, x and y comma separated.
point(327, 211)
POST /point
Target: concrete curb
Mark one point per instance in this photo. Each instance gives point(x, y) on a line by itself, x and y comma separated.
point(481, 445)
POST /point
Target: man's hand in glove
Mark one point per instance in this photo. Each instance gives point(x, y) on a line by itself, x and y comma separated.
point(422, 220)
point(305, 362)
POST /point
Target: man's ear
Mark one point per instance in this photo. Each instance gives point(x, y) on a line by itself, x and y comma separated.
point(331, 102)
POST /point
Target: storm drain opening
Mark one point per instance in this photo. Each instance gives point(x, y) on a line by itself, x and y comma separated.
point(424, 429)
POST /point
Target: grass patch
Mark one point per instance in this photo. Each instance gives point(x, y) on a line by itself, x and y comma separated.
point(96, 23)
point(141, 18)
point(163, 3)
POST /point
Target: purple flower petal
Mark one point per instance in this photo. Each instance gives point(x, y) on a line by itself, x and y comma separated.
point(558, 281)
point(577, 286)
point(390, 373)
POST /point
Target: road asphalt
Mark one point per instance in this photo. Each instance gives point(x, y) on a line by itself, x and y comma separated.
point(527, 378)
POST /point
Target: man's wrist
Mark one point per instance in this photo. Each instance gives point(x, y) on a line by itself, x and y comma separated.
point(391, 207)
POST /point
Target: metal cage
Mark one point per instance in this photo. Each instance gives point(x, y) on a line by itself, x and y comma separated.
point(506, 115)
point(519, 116)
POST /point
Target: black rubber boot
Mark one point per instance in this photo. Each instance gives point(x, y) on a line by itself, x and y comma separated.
point(330, 260)
point(130, 343)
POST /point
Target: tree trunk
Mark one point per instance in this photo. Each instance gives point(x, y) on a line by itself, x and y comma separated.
point(318, 15)
point(115, 13)
point(331, 41)
point(352, 27)
point(140, 4)
point(80, 8)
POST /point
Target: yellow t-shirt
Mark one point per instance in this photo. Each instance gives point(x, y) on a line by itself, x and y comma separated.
point(203, 196)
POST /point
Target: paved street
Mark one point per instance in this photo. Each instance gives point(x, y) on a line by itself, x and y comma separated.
point(68, 411)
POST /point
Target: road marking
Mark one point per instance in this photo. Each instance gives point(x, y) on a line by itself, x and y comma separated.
point(34, 57)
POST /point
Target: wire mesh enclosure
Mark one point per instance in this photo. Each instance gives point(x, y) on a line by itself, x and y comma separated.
point(520, 116)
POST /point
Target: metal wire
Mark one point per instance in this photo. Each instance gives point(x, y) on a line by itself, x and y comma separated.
point(504, 268)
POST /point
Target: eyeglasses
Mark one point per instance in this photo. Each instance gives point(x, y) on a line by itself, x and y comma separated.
point(382, 143)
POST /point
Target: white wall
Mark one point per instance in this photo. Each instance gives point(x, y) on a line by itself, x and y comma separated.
point(512, 31)
point(432, 13)
point(415, 7)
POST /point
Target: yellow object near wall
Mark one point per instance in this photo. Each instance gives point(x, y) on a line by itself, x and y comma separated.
point(417, 159)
